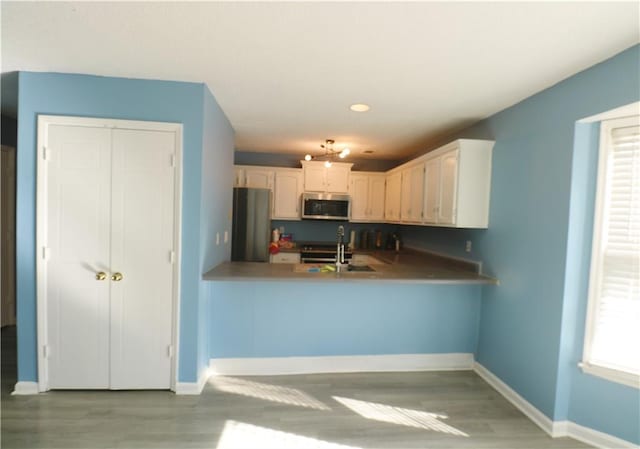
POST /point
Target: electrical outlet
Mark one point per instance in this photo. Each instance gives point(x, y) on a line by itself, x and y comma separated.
point(467, 247)
point(226, 236)
point(281, 230)
point(217, 238)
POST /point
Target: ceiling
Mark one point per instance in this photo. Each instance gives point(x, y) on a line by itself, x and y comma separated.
point(286, 73)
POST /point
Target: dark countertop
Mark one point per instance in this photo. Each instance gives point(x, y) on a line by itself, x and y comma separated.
point(406, 266)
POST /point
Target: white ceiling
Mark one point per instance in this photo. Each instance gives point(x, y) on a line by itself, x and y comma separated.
point(286, 73)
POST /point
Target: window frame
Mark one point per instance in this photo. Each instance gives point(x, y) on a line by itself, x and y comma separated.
point(595, 274)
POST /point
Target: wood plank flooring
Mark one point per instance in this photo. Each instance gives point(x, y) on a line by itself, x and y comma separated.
point(364, 410)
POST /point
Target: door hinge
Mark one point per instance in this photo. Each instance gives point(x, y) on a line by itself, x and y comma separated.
point(46, 252)
point(170, 351)
point(45, 351)
point(172, 160)
point(172, 256)
point(45, 153)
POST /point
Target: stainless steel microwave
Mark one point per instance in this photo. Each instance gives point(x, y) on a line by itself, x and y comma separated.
point(326, 206)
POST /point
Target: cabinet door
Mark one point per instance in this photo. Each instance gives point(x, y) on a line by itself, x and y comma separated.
point(286, 196)
point(376, 198)
point(448, 183)
point(314, 178)
point(412, 194)
point(258, 178)
point(337, 177)
point(416, 194)
point(238, 177)
point(359, 197)
point(405, 195)
point(431, 190)
point(392, 197)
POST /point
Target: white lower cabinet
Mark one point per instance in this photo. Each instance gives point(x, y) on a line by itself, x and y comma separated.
point(367, 192)
point(285, 258)
point(286, 194)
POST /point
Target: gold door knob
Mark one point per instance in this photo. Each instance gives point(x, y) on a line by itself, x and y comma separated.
point(101, 276)
point(116, 277)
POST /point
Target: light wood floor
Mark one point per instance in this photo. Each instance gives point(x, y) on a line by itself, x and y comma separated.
point(382, 410)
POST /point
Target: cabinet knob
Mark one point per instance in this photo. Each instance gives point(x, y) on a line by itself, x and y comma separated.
point(116, 277)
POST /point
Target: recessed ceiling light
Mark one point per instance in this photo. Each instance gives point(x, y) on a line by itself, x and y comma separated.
point(368, 151)
point(359, 107)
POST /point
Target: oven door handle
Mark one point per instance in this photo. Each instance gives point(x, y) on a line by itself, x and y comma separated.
point(317, 259)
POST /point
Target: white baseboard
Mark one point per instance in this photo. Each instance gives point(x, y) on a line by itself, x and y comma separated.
point(341, 364)
point(555, 429)
point(596, 438)
point(26, 388)
point(193, 388)
point(521, 403)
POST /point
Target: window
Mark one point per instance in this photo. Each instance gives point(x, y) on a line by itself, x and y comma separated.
point(612, 348)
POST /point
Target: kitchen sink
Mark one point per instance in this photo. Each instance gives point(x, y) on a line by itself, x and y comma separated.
point(330, 268)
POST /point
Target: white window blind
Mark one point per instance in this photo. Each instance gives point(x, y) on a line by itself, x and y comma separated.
point(613, 324)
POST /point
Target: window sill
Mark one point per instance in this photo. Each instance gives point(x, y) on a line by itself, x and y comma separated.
point(614, 375)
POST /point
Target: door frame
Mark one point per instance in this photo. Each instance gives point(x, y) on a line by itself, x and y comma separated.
point(44, 121)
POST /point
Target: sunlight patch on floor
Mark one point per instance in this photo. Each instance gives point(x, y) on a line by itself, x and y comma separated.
point(238, 435)
point(267, 392)
point(401, 416)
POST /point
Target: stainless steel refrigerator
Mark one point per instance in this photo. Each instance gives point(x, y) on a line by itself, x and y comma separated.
point(251, 225)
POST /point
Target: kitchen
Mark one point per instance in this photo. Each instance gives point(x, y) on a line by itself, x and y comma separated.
point(527, 332)
point(450, 187)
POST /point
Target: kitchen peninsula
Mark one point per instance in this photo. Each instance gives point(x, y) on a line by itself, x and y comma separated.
point(407, 266)
point(416, 311)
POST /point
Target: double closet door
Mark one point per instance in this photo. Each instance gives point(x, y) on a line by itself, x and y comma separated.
point(107, 275)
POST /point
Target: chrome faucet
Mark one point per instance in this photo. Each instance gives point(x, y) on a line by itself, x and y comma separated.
point(340, 250)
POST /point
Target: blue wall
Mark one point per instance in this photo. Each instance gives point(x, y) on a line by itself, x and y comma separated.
point(327, 231)
point(293, 161)
point(281, 319)
point(91, 96)
point(532, 327)
point(215, 208)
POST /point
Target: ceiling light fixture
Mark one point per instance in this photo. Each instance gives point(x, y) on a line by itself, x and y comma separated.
point(330, 154)
point(359, 107)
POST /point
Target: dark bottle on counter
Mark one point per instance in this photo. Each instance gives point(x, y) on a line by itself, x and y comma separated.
point(378, 239)
point(391, 241)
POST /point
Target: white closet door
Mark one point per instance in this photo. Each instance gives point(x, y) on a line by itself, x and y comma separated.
point(142, 208)
point(77, 219)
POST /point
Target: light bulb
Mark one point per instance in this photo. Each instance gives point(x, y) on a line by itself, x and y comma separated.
point(344, 153)
point(307, 157)
point(327, 164)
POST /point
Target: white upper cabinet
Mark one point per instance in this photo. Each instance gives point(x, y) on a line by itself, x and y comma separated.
point(367, 192)
point(253, 176)
point(431, 190)
point(286, 195)
point(458, 184)
point(377, 197)
point(318, 178)
point(392, 197)
point(412, 191)
point(448, 186)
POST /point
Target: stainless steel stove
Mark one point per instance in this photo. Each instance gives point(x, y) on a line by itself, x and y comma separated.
point(321, 252)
